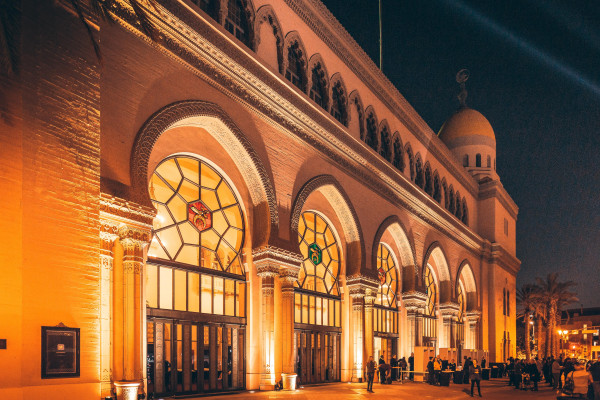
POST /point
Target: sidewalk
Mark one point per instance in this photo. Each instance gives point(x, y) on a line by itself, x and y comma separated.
point(492, 389)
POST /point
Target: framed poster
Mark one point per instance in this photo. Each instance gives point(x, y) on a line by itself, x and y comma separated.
point(60, 352)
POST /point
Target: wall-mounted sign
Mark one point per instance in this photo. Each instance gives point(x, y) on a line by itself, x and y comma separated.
point(60, 352)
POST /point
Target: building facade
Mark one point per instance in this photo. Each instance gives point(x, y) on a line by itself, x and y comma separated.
point(246, 196)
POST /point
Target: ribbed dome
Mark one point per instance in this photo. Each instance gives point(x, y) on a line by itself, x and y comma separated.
point(466, 122)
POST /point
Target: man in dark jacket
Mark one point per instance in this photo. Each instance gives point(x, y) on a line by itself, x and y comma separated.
point(411, 365)
point(430, 373)
point(394, 365)
point(475, 376)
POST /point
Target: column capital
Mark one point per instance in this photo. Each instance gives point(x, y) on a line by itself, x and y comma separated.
point(449, 311)
point(414, 301)
point(274, 261)
point(473, 316)
point(362, 286)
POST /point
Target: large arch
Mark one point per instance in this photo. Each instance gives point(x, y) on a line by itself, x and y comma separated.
point(335, 194)
point(218, 124)
point(441, 270)
point(465, 274)
point(407, 265)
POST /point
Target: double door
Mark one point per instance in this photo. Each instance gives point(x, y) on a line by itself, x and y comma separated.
point(317, 356)
point(186, 357)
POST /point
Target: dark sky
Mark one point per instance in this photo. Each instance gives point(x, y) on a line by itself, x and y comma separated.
point(535, 74)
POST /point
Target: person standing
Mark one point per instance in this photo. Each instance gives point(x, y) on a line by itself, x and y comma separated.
point(475, 376)
point(394, 365)
point(411, 365)
point(370, 374)
point(556, 369)
point(430, 376)
point(437, 370)
point(483, 362)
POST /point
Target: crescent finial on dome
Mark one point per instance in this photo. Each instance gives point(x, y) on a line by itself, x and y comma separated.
point(461, 77)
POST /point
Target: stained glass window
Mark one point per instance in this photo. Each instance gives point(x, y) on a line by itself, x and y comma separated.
point(199, 221)
point(431, 291)
point(319, 248)
point(388, 278)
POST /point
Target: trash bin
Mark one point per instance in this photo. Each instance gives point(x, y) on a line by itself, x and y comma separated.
point(289, 381)
point(445, 378)
point(495, 372)
point(485, 374)
point(458, 377)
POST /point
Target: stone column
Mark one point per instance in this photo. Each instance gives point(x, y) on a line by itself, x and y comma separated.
point(369, 338)
point(267, 274)
point(449, 312)
point(471, 339)
point(107, 239)
point(288, 275)
point(415, 302)
point(357, 335)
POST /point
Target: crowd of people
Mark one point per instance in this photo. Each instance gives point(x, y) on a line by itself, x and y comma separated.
point(522, 374)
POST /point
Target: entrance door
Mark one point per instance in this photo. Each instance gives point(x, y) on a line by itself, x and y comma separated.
point(386, 347)
point(189, 357)
point(317, 356)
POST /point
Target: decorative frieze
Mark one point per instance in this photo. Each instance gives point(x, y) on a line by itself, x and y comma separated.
point(449, 311)
point(414, 301)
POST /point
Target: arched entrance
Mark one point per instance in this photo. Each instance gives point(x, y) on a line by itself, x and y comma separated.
point(195, 286)
point(317, 301)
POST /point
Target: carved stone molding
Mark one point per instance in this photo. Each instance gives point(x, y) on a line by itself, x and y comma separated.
point(414, 301)
point(449, 311)
point(362, 287)
point(473, 316)
point(273, 260)
point(125, 209)
point(231, 138)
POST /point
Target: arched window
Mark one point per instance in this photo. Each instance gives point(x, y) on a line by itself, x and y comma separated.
point(319, 248)
point(295, 68)
point(199, 220)
point(384, 149)
point(451, 204)
point(437, 192)
point(338, 103)
point(465, 214)
point(466, 160)
point(478, 160)
point(398, 154)
point(318, 90)
point(445, 187)
point(411, 163)
point(319, 273)
point(428, 180)
point(489, 161)
point(371, 138)
point(237, 22)
point(431, 291)
point(208, 6)
point(388, 278)
point(419, 176)
point(458, 212)
point(361, 118)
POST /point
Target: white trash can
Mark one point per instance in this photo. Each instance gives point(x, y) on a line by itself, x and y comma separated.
point(289, 381)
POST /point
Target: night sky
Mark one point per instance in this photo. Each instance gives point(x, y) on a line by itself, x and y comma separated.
point(535, 75)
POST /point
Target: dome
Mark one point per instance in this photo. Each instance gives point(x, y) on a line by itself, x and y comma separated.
point(464, 123)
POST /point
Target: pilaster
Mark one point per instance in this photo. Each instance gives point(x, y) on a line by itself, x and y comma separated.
point(449, 312)
point(415, 303)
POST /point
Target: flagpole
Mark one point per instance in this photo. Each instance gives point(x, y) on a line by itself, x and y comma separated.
point(380, 40)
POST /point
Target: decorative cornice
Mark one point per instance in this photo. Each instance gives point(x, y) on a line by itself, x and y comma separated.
point(494, 188)
point(362, 286)
point(276, 257)
point(473, 316)
point(414, 301)
point(449, 310)
point(497, 254)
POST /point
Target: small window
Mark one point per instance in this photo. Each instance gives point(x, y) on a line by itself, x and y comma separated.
point(317, 90)
point(466, 160)
point(295, 69)
point(237, 21)
point(489, 162)
point(338, 104)
point(505, 227)
point(478, 160)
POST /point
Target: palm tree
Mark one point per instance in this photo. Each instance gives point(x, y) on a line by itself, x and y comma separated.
point(527, 297)
point(556, 295)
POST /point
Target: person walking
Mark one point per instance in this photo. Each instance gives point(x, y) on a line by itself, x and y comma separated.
point(370, 374)
point(475, 376)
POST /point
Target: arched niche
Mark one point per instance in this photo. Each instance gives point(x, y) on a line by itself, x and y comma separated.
point(269, 37)
point(437, 260)
point(467, 278)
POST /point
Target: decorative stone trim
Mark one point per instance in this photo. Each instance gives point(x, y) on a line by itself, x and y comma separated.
point(362, 286)
point(126, 209)
point(473, 316)
point(414, 301)
point(271, 259)
point(449, 311)
point(249, 162)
